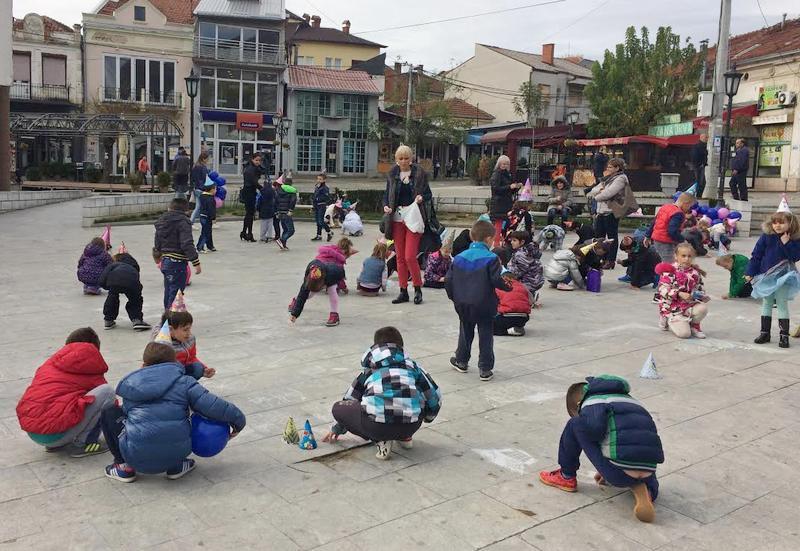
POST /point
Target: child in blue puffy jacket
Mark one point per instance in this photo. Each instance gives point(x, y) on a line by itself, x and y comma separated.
point(151, 433)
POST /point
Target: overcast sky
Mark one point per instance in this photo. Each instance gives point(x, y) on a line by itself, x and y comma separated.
point(584, 27)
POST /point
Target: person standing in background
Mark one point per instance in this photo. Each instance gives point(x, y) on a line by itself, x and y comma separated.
point(739, 165)
point(181, 166)
point(699, 162)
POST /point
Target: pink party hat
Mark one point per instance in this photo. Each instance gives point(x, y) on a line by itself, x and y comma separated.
point(123, 249)
point(178, 305)
point(280, 180)
point(163, 336)
point(107, 236)
point(784, 205)
point(525, 192)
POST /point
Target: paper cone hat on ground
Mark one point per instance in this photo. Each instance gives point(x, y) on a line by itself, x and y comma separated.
point(290, 434)
point(107, 236)
point(649, 370)
point(692, 189)
point(784, 205)
point(163, 336)
point(122, 248)
point(307, 441)
point(178, 305)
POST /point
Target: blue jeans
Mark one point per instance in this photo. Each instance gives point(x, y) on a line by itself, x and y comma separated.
point(174, 278)
point(196, 211)
point(552, 212)
point(319, 218)
point(574, 440)
point(287, 228)
point(205, 240)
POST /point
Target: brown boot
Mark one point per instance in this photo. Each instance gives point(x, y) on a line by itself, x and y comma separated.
point(643, 509)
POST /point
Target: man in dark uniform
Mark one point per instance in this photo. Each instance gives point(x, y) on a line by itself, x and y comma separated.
point(699, 162)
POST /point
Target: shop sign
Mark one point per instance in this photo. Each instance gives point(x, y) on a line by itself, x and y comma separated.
point(770, 155)
point(249, 121)
point(774, 135)
point(669, 119)
point(671, 129)
point(777, 118)
point(768, 96)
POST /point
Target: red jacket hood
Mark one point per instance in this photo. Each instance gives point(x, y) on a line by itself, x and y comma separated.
point(81, 358)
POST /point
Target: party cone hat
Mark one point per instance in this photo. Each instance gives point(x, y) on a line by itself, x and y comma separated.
point(307, 441)
point(107, 236)
point(649, 370)
point(178, 305)
point(123, 249)
point(280, 180)
point(587, 249)
point(784, 205)
point(163, 336)
point(290, 434)
point(693, 189)
point(723, 250)
point(525, 192)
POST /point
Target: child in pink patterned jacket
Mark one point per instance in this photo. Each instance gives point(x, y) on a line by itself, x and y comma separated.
point(337, 254)
point(681, 300)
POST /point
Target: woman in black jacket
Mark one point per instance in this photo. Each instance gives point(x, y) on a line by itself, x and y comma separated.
point(502, 201)
point(247, 195)
point(406, 187)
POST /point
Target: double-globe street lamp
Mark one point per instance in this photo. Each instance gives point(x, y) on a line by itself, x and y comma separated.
point(732, 80)
point(282, 126)
point(192, 85)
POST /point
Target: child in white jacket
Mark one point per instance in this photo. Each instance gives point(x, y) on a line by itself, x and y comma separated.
point(563, 270)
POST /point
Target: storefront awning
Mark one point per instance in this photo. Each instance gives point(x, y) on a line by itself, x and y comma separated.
point(750, 110)
point(473, 139)
point(688, 139)
point(543, 137)
point(497, 136)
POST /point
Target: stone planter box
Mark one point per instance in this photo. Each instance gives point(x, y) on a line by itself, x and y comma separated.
point(17, 200)
point(109, 205)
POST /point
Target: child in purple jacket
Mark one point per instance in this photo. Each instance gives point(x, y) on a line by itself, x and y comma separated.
point(93, 261)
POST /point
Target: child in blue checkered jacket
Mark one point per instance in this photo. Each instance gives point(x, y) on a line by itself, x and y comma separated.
point(389, 399)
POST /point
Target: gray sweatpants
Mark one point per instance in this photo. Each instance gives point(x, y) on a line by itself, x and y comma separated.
point(104, 397)
point(267, 229)
point(665, 250)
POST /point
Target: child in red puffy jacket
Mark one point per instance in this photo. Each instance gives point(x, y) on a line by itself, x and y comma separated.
point(185, 344)
point(63, 403)
point(514, 307)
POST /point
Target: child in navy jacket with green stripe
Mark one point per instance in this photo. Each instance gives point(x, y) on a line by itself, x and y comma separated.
point(618, 436)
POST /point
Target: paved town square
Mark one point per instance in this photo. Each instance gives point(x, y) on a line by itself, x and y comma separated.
point(726, 411)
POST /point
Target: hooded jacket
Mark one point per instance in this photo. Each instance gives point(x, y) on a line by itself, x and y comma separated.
point(502, 199)
point(286, 200)
point(675, 279)
point(624, 428)
point(332, 274)
point(156, 404)
point(173, 237)
point(321, 196)
point(393, 389)
point(526, 266)
point(121, 274)
point(436, 266)
point(331, 254)
point(93, 261)
point(564, 263)
point(471, 281)
point(516, 301)
point(266, 205)
point(560, 198)
point(56, 398)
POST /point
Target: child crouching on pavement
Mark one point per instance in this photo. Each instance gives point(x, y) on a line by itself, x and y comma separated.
point(438, 263)
point(736, 264)
point(525, 262)
point(151, 432)
point(121, 277)
point(617, 435)
point(513, 308)
point(374, 272)
point(62, 405)
point(318, 276)
point(640, 264)
point(389, 399)
point(681, 300)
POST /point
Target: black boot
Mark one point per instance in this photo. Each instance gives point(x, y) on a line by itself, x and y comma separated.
point(402, 297)
point(417, 295)
point(766, 325)
point(243, 236)
point(784, 338)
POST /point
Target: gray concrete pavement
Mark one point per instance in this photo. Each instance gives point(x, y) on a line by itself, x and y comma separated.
point(725, 408)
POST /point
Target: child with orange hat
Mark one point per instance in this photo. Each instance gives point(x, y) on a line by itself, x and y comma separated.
point(176, 330)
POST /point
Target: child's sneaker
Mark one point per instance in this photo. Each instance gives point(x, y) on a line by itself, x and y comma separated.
point(486, 375)
point(557, 480)
point(330, 236)
point(643, 509)
point(656, 299)
point(624, 279)
point(212, 249)
point(565, 286)
point(697, 333)
point(90, 448)
point(121, 472)
point(109, 324)
point(292, 304)
point(280, 244)
point(406, 444)
point(384, 449)
point(461, 367)
point(316, 238)
point(333, 320)
point(516, 331)
point(186, 467)
point(140, 325)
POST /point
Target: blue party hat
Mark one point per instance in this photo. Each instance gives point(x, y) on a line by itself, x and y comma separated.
point(307, 441)
point(163, 336)
point(692, 189)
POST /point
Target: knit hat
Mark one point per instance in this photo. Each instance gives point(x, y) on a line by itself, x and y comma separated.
point(163, 336)
point(178, 305)
point(484, 217)
point(784, 205)
point(307, 440)
point(123, 249)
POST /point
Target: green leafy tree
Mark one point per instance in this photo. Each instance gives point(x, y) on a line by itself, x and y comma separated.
point(642, 81)
point(529, 102)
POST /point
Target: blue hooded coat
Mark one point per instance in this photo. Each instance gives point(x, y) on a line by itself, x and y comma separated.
point(156, 403)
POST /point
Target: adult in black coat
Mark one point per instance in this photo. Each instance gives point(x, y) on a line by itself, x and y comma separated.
point(503, 189)
point(699, 162)
point(247, 195)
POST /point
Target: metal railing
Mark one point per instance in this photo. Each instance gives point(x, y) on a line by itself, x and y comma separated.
point(239, 52)
point(26, 91)
point(142, 96)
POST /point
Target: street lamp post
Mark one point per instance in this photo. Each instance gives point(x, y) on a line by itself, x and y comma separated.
point(732, 80)
point(282, 126)
point(192, 85)
point(572, 118)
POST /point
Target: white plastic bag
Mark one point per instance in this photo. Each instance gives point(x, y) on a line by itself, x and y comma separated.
point(412, 218)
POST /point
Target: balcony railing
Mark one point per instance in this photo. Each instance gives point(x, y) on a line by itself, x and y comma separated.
point(172, 99)
point(26, 91)
point(239, 52)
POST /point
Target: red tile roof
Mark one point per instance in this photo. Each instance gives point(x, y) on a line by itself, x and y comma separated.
point(763, 42)
point(176, 11)
point(50, 25)
point(457, 108)
point(302, 77)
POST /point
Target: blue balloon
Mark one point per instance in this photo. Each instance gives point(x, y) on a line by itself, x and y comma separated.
point(222, 192)
point(208, 437)
point(702, 209)
point(716, 221)
point(213, 175)
point(712, 213)
point(676, 195)
point(222, 181)
point(735, 215)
